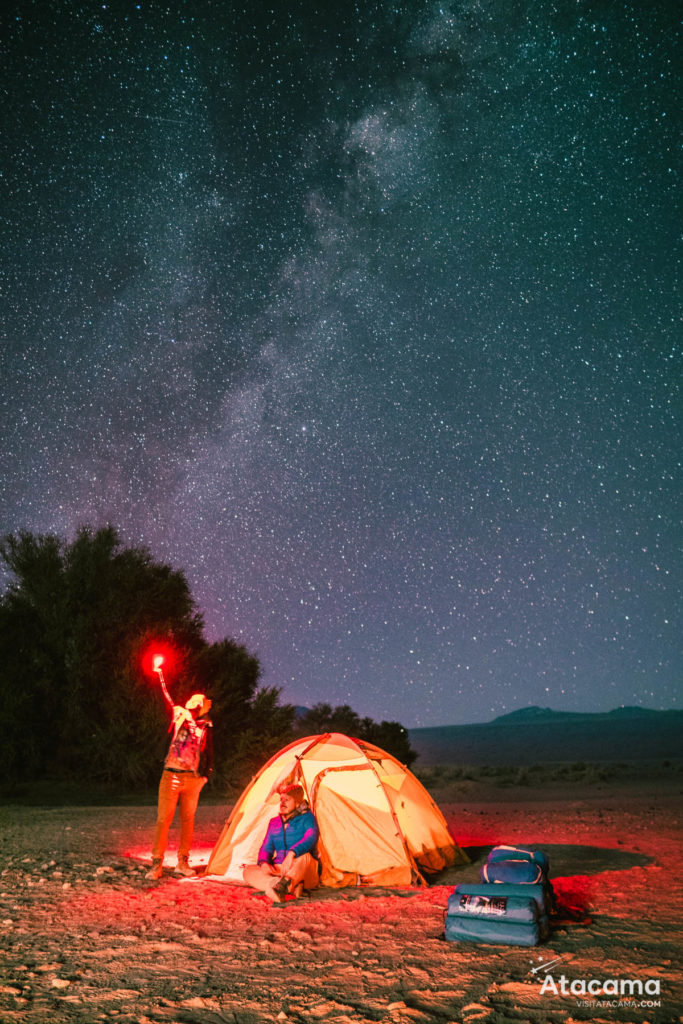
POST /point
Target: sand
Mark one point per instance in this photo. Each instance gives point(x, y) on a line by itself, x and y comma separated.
point(84, 937)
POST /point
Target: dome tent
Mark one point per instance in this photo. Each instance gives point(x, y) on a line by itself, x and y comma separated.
point(378, 825)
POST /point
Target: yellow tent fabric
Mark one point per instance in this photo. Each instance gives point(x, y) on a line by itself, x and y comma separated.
point(378, 824)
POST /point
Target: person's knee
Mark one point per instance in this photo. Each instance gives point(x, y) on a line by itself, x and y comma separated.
point(259, 875)
point(187, 813)
point(255, 875)
point(305, 869)
point(165, 816)
point(188, 806)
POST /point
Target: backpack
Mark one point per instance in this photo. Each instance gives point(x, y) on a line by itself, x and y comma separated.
point(519, 865)
point(516, 864)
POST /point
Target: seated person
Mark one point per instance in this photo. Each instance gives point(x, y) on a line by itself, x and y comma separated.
point(287, 860)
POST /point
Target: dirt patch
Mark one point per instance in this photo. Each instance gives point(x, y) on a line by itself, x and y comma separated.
point(85, 937)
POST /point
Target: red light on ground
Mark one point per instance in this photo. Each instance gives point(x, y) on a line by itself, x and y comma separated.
point(142, 853)
point(158, 662)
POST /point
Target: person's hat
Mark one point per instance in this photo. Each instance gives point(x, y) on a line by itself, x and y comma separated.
point(198, 700)
point(292, 789)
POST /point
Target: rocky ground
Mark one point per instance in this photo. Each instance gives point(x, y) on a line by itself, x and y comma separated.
point(84, 937)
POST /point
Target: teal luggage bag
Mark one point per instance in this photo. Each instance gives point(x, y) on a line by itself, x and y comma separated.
point(509, 915)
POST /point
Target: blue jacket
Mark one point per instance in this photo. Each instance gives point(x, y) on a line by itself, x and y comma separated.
point(298, 833)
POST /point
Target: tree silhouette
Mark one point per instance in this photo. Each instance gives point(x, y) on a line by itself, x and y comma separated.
point(75, 621)
point(389, 736)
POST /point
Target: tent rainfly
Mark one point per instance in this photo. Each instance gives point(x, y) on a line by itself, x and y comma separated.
point(378, 824)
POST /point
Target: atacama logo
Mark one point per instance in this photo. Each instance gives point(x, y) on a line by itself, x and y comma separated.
point(599, 991)
point(595, 987)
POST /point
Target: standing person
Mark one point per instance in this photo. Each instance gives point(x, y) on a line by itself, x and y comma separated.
point(287, 859)
point(187, 768)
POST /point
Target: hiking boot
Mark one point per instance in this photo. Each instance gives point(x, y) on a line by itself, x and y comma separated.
point(156, 870)
point(281, 887)
point(280, 901)
point(278, 890)
point(183, 868)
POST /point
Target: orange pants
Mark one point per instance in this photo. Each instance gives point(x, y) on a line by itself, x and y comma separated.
point(174, 788)
point(263, 876)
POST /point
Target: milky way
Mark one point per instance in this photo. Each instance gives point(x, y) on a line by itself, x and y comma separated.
point(366, 318)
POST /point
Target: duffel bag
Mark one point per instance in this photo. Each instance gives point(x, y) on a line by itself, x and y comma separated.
point(494, 932)
point(538, 892)
point(492, 918)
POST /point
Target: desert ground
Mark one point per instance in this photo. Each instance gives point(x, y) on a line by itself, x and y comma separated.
point(85, 937)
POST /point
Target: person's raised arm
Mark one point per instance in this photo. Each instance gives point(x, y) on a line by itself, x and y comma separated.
point(167, 696)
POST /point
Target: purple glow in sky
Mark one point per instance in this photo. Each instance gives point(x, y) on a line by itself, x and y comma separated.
point(365, 318)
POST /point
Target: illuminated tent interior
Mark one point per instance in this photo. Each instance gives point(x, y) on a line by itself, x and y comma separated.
point(378, 824)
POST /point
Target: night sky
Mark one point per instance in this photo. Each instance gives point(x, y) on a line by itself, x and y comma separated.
point(364, 316)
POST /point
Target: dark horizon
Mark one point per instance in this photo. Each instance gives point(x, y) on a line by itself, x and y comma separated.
point(620, 736)
point(533, 712)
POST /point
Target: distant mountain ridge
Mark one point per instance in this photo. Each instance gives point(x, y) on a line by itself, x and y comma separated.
point(533, 713)
point(534, 734)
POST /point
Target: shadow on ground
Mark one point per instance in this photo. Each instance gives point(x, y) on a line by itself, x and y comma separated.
point(565, 860)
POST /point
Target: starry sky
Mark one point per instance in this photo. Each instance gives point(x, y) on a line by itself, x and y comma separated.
point(365, 317)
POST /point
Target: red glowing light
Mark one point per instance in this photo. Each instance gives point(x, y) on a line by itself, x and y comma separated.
point(158, 655)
